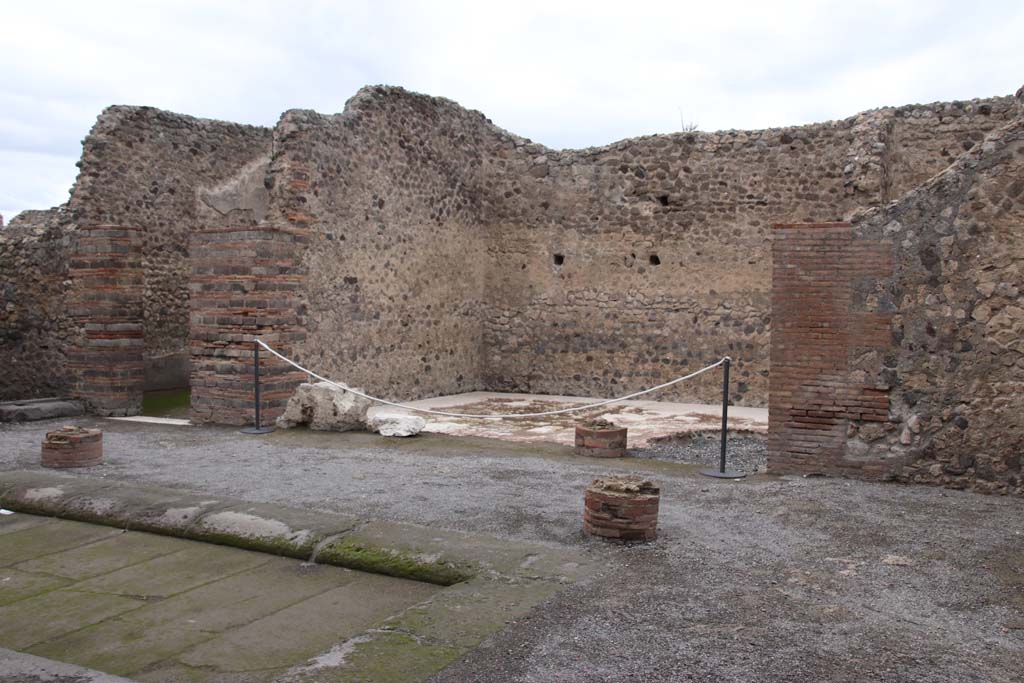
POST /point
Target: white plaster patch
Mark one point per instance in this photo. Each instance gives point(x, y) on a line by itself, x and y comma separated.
point(46, 493)
point(334, 657)
point(174, 516)
point(244, 524)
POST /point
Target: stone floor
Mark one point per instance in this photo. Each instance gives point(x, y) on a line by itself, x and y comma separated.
point(160, 609)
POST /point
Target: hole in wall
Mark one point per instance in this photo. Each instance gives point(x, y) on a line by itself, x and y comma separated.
point(558, 259)
point(663, 199)
point(654, 260)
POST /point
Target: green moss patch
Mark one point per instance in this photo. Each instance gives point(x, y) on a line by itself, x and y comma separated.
point(172, 403)
point(392, 563)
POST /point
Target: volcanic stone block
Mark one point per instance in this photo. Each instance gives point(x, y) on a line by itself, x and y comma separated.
point(72, 447)
point(621, 509)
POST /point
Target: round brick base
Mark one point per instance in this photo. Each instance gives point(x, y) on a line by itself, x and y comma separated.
point(601, 442)
point(621, 509)
point(72, 447)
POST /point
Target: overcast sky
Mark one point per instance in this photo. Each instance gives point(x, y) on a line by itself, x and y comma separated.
point(567, 74)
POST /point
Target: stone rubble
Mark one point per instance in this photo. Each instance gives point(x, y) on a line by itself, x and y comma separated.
point(324, 407)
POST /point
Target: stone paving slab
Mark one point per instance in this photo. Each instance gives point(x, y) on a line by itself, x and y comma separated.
point(27, 622)
point(190, 567)
point(36, 542)
point(163, 629)
point(17, 585)
point(103, 556)
point(309, 627)
point(11, 523)
point(196, 612)
point(39, 409)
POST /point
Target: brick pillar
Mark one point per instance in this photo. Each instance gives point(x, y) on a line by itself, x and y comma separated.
point(105, 303)
point(821, 325)
point(245, 282)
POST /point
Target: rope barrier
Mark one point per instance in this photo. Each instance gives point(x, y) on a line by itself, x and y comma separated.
point(494, 416)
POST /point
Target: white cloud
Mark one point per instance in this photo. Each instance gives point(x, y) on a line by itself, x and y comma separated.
point(568, 74)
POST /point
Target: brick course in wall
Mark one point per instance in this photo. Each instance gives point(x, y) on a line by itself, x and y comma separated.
point(246, 282)
point(822, 325)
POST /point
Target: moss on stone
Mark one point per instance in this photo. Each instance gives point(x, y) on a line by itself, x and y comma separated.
point(392, 563)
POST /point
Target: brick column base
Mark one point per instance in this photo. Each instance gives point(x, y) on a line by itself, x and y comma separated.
point(622, 509)
point(72, 447)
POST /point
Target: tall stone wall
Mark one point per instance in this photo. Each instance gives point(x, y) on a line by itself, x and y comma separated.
point(394, 192)
point(622, 267)
point(951, 367)
point(161, 172)
point(926, 139)
point(449, 255)
point(35, 329)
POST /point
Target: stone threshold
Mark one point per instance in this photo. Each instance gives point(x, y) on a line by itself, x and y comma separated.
point(148, 419)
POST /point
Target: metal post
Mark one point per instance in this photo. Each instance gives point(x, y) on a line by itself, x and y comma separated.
point(725, 408)
point(258, 428)
point(721, 472)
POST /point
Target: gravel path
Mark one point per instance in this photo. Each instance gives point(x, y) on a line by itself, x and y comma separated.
point(766, 579)
point(744, 453)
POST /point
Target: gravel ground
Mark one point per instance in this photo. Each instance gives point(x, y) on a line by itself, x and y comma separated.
point(766, 579)
point(744, 453)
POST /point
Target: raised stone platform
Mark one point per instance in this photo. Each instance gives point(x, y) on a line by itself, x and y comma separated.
point(646, 421)
point(40, 409)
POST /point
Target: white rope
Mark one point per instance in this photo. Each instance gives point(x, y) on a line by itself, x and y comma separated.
point(496, 416)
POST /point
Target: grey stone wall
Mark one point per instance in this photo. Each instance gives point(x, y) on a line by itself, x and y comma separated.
point(449, 254)
point(35, 329)
point(394, 190)
point(956, 374)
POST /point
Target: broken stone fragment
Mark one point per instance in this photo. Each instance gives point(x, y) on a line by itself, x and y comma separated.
point(324, 407)
point(396, 425)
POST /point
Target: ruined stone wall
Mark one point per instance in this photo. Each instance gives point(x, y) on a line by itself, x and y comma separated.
point(35, 328)
point(449, 255)
point(394, 192)
point(925, 139)
point(618, 268)
point(445, 254)
point(154, 170)
point(951, 368)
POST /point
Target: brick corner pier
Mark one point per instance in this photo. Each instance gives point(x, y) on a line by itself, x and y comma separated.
point(820, 322)
point(246, 282)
